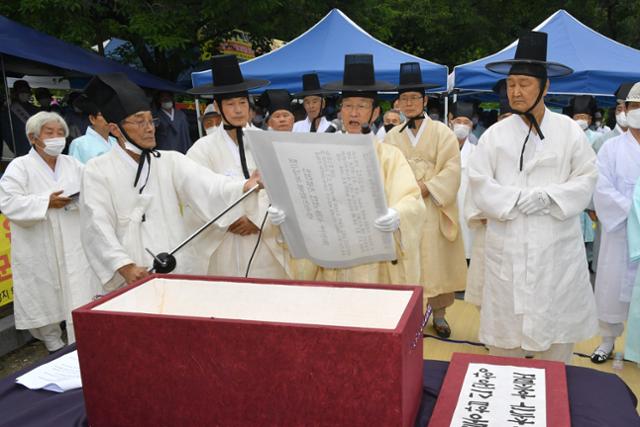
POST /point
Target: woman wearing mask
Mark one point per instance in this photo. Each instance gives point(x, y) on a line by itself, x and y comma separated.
point(38, 194)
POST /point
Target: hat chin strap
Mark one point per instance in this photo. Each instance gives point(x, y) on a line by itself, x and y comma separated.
point(239, 134)
point(145, 156)
point(411, 121)
point(533, 122)
point(314, 128)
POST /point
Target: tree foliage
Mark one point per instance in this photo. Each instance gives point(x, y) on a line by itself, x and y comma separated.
point(169, 35)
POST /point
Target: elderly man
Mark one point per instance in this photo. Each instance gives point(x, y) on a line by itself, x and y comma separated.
point(228, 250)
point(314, 103)
point(433, 152)
point(406, 211)
point(278, 105)
point(390, 119)
point(132, 196)
point(618, 162)
point(38, 193)
point(531, 176)
point(96, 140)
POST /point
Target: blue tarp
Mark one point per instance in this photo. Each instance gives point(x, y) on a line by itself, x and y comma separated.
point(600, 64)
point(28, 51)
point(322, 49)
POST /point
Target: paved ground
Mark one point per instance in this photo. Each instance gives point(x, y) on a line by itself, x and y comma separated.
point(22, 357)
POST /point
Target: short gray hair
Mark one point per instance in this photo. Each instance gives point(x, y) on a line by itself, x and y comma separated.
point(394, 111)
point(37, 121)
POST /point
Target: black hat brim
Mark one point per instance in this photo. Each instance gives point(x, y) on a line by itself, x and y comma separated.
point(554, 69)
point(314, 92)
point(378, 86)
point(211, 89)
point(425, 86)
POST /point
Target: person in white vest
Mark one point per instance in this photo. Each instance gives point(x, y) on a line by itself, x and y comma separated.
point(531, 176)
point(314, 103)
point(619, 167)
point(132, 197)
point(228, 248)
point(38, 194)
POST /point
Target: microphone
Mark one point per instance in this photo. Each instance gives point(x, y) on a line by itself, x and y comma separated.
point(334, 126)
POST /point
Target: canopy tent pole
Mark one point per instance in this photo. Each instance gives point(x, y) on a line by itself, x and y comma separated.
point(198, 117)
point(6, 93)
point(446, 108)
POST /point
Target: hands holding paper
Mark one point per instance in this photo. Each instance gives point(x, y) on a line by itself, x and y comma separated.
point(534, 201)
point(389, 222)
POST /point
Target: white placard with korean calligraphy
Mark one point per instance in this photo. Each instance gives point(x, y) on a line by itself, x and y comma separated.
point(330, 187)
point(501, 396)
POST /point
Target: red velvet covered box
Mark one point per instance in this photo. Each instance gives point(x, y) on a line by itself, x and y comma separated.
point(205, 351)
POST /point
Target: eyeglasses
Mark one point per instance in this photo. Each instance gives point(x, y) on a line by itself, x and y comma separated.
point(410, 99)
point(141, 124)
point(356, 107)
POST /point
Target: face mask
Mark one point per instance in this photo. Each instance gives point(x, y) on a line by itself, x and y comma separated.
point(388, 127)
point(54, 146)
point(210, 130)
point(633, 118)
point(167, 105)
point(23, 97)
point(130, 147)
point(621, 119)
point(461, 131)
point(598, 124)
point(583, 124)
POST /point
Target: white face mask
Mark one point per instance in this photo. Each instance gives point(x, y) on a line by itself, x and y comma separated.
point(167, 105)
point(633, 118)
point(130, 147)
point(598, 124)
point(210, 130)
point(583, 124)
point(24, 97)
point(461, 131)
point(621, 119)
point(54, 146)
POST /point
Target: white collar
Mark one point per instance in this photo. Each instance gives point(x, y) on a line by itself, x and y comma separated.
point(53, 174)
point(170, 114)
point(415, 139)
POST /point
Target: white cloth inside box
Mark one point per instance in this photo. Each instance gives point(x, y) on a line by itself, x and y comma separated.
point(312, 305)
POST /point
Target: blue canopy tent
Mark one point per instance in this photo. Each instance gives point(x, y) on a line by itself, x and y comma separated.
point(24, 50)
point(600, 64)
point(322, 49)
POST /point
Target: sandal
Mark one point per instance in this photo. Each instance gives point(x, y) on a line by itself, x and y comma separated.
point(600, 356)
point(442, 327)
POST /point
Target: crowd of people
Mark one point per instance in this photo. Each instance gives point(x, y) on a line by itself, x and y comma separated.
point(516, 213)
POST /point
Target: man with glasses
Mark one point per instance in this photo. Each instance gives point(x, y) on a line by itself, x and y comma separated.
point(406, 211)
point(314, 103)
point(131, 197)
point(432, 150)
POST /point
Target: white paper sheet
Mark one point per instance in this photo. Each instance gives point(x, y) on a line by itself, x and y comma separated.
point(59, 375)
point(330, 187)
point(501, 396)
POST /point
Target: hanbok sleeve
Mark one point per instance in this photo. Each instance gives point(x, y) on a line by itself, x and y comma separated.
point(574, 195)
point(633, 226)
point(612, 207)
point(443, 187)
point(16, 203)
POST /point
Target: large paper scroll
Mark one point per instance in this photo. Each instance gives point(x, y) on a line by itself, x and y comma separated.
point(330, 187)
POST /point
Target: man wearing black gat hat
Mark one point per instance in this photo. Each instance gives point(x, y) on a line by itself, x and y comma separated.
point(432, 151)
point(531, 176)
point(278, 105)
point(621, 116)
point(227, 248)
point(131, 196)
point(313, 101)
point(406, 211)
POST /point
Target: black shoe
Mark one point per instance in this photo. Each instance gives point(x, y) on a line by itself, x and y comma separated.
point(442, 327)
point(600, 356)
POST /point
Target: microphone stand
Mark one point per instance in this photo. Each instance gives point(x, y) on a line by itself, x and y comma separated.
point(165, 262)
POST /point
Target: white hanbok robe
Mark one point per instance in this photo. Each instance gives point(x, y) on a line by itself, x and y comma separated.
point(119, 223)
point(51, 275)
point(467, 234)
point(305, 125)
point(536, 289)
point(226, 253)
point(619, 167)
